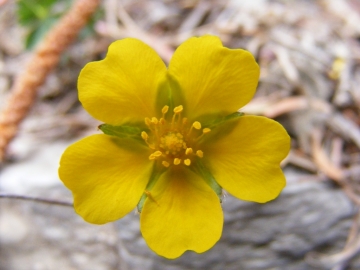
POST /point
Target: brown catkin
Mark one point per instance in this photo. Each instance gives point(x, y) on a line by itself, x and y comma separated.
point(45, 58)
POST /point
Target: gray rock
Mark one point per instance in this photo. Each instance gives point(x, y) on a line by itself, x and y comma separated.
point(277, 235)
point(306, 217)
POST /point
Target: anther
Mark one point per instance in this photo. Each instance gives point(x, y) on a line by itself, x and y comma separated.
point(187, 162)
point(150, 196)
point(165, 164)
point(144, 135)
point(177, 161)
point(200, 153)
point(147, 121)
point(196, 125)
point(154, 120)
point(206, 130)
point(157, 154)
point(178, 109)
point(188, 151)
point(165, 109)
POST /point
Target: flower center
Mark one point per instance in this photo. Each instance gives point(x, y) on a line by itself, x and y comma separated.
point(172, 143)
point(175, 142)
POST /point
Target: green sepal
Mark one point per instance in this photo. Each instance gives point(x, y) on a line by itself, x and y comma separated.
point(222, 120)
point(155, 175)
point(141, 203)
point(176, 96)
point(122, 131)
point(200, 169)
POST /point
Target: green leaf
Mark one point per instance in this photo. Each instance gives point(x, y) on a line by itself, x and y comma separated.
point(38, 33)
point(122, 131)
point(38, 16)
point(31, 11)
point(200, 169)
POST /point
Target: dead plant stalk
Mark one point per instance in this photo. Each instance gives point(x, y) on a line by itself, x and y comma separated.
point(45, 58)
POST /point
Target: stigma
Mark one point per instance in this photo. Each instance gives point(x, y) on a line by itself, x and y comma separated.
point(173, 140)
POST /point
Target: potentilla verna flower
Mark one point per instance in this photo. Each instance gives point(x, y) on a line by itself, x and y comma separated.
point(173, 140)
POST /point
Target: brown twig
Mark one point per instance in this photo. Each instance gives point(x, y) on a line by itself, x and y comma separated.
point(300, 161)
point(322, 160)
point(325, 165)
point(273, 109)
point(45, 58)
point(35, 199)
point(114, 12)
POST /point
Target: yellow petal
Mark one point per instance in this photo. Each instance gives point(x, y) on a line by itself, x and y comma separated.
point(182, 213)
point(244, 157)
point(106, 175)
point(213, 79)
point(123, 87)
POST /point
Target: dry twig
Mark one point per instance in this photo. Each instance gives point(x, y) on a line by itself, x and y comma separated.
point(45, 58)
point(274, 109)
point(325, 165)
point(35, 199)
point(322, 160)
point(115, 12)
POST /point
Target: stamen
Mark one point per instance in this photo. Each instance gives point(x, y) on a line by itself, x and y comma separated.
point(147, 121)
point(196, 125)
point(177, 161)
point(154, 120)
point(150, 196)
point(178, 109)
point(165, 163)
point(188, 151)
point(165, 109)
point(200, 153)
point(157, 154)
point(171, 141)
point(144, 135)
point(206, 130)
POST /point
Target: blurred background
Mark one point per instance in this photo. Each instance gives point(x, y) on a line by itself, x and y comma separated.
point(309, 54)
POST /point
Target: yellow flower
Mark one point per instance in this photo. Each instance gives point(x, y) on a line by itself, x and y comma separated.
point(172, 140)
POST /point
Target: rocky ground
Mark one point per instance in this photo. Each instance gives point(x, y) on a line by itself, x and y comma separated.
point(309, 53)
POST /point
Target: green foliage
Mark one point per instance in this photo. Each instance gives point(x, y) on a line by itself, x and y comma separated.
point(31, 10)
point(39, 16)
point(39, 32)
